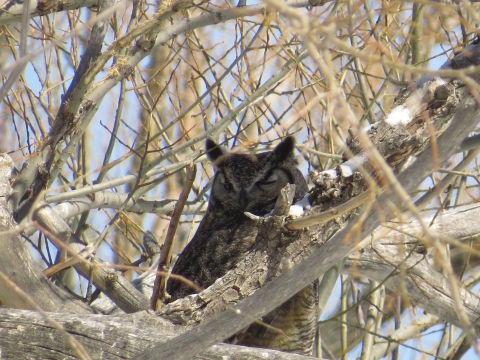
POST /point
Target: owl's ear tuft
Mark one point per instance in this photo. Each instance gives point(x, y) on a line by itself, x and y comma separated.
point(214, 151)
point(284, 150)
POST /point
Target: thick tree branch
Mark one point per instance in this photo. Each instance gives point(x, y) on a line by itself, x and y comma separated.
point(430, 105)
point(103, 337)
point(413, 275)
point(395, 258)
point(43, 169)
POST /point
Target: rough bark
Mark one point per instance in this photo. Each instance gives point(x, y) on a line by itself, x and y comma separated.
point(275, 245)
point(26, 335)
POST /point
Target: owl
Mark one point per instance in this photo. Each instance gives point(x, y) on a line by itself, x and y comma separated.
point(246, 183)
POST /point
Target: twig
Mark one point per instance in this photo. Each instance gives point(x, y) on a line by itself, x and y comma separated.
point(166, 253)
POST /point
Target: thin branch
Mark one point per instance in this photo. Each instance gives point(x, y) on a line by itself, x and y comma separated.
point(166, 252)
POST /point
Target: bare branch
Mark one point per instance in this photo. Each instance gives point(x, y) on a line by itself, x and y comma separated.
point(166, 252)
point(112, 200)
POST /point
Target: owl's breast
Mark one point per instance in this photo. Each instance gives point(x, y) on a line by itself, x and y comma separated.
point(221, 241)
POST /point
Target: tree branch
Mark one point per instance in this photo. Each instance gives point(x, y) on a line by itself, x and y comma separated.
point(113, 200)
point(121, 337)
point(11, 11)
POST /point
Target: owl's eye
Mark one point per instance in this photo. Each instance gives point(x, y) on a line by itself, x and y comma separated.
point(269, 180)
point(223, 180)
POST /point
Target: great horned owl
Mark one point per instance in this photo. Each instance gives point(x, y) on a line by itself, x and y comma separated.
point(246, 183)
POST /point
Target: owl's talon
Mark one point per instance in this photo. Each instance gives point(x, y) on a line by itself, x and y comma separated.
point(252, 216)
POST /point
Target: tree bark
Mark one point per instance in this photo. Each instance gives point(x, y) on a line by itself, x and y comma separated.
point(26, 335)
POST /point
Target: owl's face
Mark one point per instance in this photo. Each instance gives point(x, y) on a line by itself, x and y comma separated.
point(251, 182)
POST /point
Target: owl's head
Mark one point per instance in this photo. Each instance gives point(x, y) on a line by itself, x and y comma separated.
point(252, 182)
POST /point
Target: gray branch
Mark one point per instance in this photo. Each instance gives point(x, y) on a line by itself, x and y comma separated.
point(104, 337)
point(11, 10)
point(111, 200)
point(415, 275)
point(394, 259)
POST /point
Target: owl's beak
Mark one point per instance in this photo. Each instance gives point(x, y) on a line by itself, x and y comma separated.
point(243, 199)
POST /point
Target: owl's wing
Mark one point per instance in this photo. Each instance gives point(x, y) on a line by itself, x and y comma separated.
point(290, 327)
